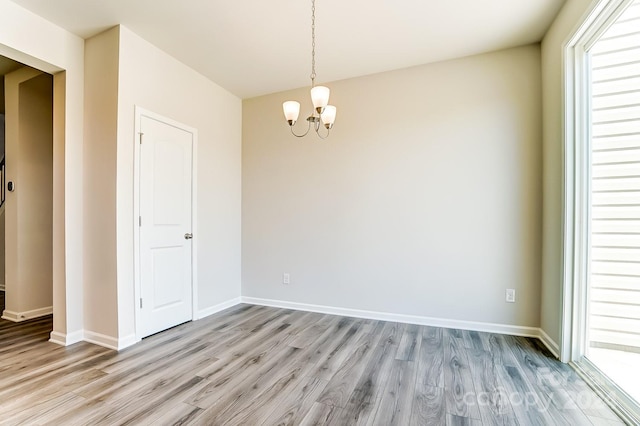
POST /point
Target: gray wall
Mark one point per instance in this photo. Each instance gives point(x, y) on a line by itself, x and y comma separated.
point(425, 200)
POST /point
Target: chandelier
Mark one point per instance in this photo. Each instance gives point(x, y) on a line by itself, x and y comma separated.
point(322, 114)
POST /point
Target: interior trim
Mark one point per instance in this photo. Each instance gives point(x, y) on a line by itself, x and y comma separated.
point(615, 397)
point(513, 330)
point(26, 315)
point(203, 313)
point(66, 339)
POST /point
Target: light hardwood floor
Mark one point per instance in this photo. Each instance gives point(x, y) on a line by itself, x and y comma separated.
point(255, 365)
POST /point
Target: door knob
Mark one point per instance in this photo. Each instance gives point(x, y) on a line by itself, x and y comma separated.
point(188, 236)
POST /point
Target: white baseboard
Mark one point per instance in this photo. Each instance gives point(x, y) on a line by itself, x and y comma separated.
point(105, 341)
point(553, 347)
point(119, 344)
point(58, 338)
point(513, 330)
point(100, 339)
point(66, 339)
point(127, 341)
point(203, 313)
point(27, 315)
point(109, 342)
point(124, 342)
point(409, 319)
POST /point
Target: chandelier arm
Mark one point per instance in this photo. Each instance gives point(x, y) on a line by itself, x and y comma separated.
point(320, 134)
point(302, 135)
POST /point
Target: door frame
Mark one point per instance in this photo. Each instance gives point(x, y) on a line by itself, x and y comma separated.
point(577, 202)
point(576, 185)
point(139, 113)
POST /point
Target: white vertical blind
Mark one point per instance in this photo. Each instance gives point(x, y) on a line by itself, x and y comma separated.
point(615, 184)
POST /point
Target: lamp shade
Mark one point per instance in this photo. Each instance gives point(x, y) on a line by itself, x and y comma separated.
point(320, 97)
point(291, 111)
point(329, 116)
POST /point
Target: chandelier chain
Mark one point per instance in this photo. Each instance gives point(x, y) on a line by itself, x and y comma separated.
point(313, 43)
point(323, 115)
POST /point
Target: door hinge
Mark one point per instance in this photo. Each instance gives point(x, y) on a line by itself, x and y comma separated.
point(141, 135)
point(141, 303)
point(139, 220)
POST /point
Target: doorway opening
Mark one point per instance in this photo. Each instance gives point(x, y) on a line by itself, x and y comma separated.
point(26, 193)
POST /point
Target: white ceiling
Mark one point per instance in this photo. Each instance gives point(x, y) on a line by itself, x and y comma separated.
point(255, 47)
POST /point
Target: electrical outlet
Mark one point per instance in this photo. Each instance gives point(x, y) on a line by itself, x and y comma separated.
point(286, 278)
point(511, 295)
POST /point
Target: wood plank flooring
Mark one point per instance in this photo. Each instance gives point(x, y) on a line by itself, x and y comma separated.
point(253, 365)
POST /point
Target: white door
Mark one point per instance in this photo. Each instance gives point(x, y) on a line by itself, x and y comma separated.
point(165, 226)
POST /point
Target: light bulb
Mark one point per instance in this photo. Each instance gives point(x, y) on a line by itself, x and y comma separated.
point(329, 116)
point(291, 111)
point(320, 97)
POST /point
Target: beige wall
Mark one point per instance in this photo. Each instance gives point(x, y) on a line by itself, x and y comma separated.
point(32, 40)
point(123, 71)
point(2, 120)
point(362, 135)
point(153, 80)
point(29, 209)
point(2, 255)
point(425, 200)
point(2, 260)
point(100, 130)
point(1, 94)
point(553, 168)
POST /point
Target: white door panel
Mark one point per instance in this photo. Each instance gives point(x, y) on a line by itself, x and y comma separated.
point(165, 211)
